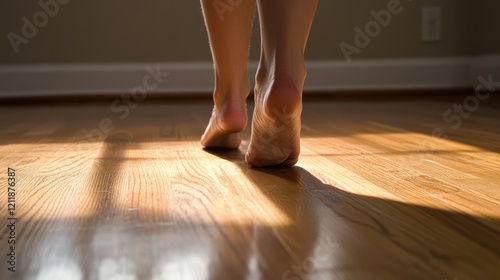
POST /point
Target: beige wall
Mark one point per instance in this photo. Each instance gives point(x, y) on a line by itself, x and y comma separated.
point(100, 31)
point(485, 35)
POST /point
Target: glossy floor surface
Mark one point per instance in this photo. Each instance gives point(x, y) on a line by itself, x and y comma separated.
point(374, 195)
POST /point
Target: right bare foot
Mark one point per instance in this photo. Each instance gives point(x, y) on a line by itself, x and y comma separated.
point(276, 123)
point(229, 117)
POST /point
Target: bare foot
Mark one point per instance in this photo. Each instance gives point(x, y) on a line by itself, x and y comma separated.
point(228, 118)
point(276, 124)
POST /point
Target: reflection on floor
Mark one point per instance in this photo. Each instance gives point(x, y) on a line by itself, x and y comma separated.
point(107, 195)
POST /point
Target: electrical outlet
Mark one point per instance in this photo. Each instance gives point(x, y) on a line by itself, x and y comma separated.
point(431, 24)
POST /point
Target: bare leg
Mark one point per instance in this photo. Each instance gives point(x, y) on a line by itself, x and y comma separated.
point(229, 25)
point(285, 26)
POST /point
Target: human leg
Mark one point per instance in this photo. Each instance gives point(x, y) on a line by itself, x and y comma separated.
point(229, 29)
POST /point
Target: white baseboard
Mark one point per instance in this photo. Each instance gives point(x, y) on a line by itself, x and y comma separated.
point(381, 74)
point(185, 78)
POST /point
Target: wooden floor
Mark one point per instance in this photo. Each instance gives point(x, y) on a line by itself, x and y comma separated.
point(374, 195)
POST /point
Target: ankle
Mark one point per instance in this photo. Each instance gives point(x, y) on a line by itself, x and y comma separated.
point(225, 95)
point(276, 72)
point(230, 106)
point(280, 95)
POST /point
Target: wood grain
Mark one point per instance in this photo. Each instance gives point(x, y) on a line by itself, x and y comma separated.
point(374, 195)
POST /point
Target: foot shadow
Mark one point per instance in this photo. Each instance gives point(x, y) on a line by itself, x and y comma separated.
point(331, 230)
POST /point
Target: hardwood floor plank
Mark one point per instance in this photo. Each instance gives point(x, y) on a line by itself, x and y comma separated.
point(373, 196)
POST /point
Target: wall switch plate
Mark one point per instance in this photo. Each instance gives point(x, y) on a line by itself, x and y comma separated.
point(431, 24)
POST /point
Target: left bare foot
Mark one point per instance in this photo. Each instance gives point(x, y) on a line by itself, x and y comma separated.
point(228, 119)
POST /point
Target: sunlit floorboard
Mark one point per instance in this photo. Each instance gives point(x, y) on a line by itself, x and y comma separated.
point(374, 195)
